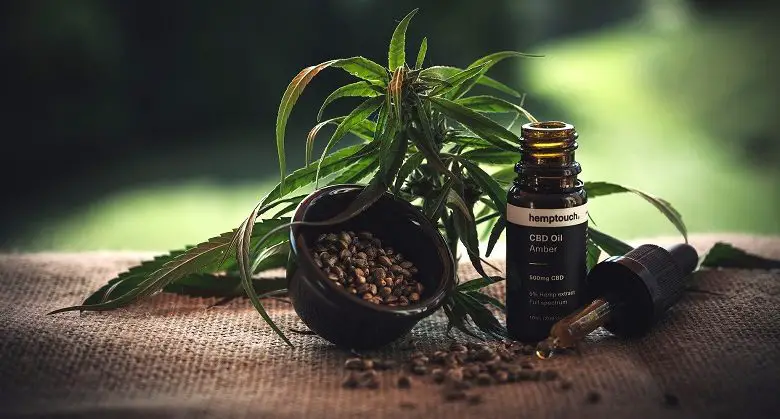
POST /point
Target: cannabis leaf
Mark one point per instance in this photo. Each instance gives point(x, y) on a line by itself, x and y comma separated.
point(423, 137)
point(396, 56)
point(605, 188)
point(724, 255)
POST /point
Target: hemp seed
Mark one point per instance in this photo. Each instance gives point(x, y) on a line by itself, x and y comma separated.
point(358, 263)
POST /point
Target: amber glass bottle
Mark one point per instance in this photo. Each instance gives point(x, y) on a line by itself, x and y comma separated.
point(546, 231)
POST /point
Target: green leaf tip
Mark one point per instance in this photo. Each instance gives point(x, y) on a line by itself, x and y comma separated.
point(396, 55)
point(595, 189)
point(724, 255)
point(421, 54)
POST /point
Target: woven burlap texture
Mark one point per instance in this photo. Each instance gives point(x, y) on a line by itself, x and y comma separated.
point(172, 356)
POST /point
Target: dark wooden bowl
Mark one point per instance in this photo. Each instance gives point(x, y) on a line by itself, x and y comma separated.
point(341, 318)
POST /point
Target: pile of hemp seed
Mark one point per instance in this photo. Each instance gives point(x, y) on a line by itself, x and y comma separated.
point(458, 370)
point(363, 267)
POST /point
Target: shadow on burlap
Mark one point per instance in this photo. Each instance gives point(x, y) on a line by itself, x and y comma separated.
point(171, 356)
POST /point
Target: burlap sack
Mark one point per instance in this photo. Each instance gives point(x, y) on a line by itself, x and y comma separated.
point(170, 356)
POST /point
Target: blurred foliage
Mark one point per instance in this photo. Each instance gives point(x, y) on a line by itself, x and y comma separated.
point(113, 107)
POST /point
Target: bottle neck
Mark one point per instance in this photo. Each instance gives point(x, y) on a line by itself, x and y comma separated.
point(547, 158)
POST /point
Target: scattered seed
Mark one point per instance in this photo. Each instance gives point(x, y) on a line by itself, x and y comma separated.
point(350, 381)
point(501, 377)
point(383, 365)
point(566, 385)
point(407, 405)
point(455, 375)
point(454, 395)
point(370, 379)
point(671, 400)
point(404, 381)
point(462, 385)
point(438, 375)
point(420, 369)
point(593, 397)
point(354, 364)
point(484, 379)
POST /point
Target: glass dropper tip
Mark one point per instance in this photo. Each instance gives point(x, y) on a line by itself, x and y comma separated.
point(546, 348)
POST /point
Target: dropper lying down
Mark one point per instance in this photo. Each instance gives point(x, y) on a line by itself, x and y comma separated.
point(631, 292)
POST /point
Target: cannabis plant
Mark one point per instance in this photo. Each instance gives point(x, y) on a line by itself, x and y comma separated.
point(425, 138)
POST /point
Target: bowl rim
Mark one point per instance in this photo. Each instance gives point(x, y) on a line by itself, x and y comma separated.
point(430, 304)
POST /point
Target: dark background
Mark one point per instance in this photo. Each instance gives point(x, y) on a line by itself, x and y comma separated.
point(102, 97)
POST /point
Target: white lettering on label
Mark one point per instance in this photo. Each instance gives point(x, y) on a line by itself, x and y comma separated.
point(540, 217)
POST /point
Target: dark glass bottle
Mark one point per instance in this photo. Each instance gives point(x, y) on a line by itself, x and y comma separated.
point(547, 222)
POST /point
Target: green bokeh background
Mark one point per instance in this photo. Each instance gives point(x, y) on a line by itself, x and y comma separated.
point(676, 98)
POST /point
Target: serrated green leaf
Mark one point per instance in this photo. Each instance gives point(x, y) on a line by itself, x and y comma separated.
point(356, 89)
point(433, 207)
point(440, 73)
point(357, 171)
point(724, 255)
point(292, 203)
point(486, 299)
point(160, 272)
point(412, 162)
point(481, 316)
point(593, 254)
point(426, 143)
point(607, 243)
point(486, 63)
point(396, 55)
point(391, 163)
point(491, 104)
point(479, 283)
point(487, 217)
point(211, 286)
point(363, 68)
point(360, 113)
point(496, 57)
point(456, 315)
point(130, 279)
point(467, 232)
point(455, 202)
point(243, 258)
point(363, 130)
point(595, 189)
point(487, 184)
point(334, 162)
point(272, 260)
point(313, 134)
point(456, 80)
point(468, 141)
point(491, 155)
point(289, 98)
point(477, 123)
point(395, 90)
point(495, 234)
point(421, 54)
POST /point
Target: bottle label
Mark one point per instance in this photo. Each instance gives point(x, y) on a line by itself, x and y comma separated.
point(546, 266)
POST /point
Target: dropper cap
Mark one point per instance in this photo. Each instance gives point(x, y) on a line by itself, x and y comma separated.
point(644, 283)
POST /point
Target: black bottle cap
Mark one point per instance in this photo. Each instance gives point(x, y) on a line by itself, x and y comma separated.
point(643, 283)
